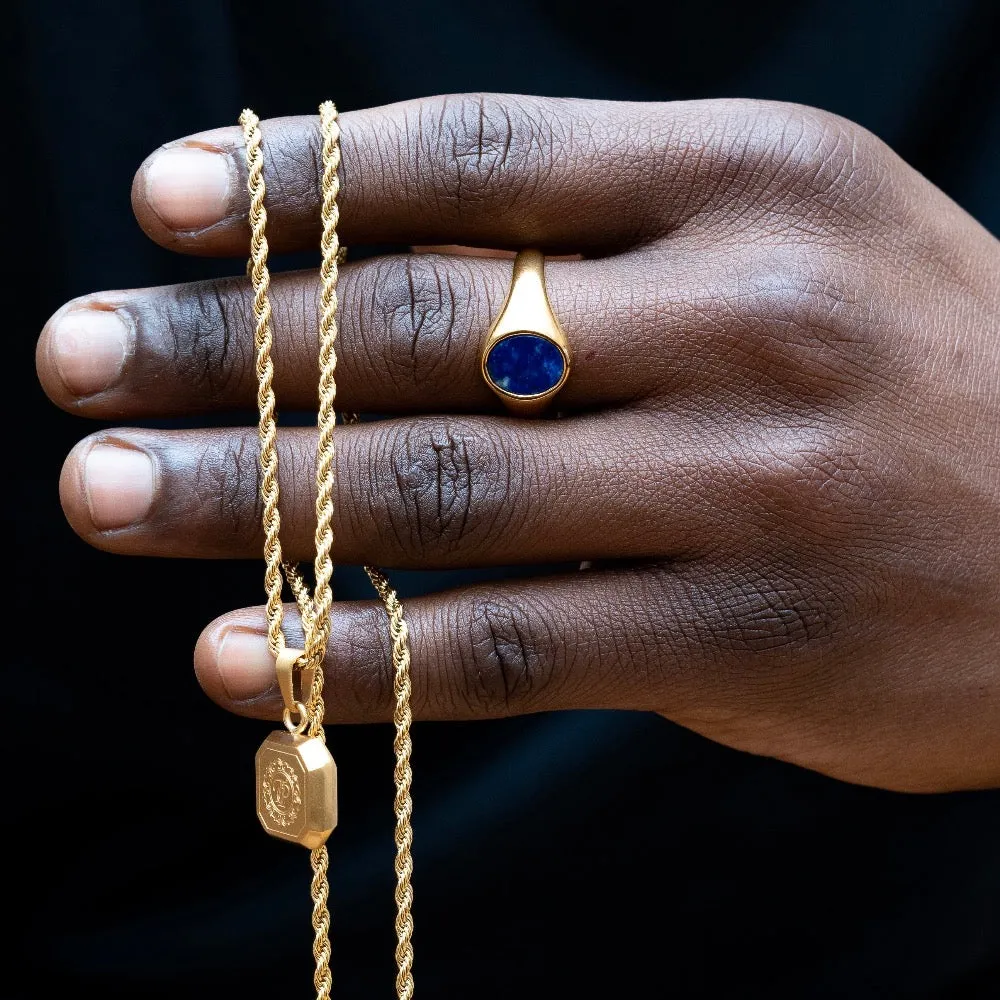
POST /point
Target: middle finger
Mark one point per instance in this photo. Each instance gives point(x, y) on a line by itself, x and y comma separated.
point(416, 492)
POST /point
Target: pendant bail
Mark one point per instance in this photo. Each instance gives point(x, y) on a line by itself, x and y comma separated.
point(289, 661)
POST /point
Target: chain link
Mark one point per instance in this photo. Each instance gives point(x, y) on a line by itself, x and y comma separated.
point(315, 608)
point(403, 776)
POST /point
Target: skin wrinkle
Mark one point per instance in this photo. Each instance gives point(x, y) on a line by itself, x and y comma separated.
point(201, 341)
point(222, 368)
point(430, 309)
point(414, 325)
point(413, 288)
point(779, 441)
point(231, 476)
point(515, 661)
point(366, 307)
point(449, 330)
point(369, 645)
point(783, 171)
point(507, 663)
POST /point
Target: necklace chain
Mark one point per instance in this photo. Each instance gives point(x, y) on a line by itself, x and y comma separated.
point(315, 608)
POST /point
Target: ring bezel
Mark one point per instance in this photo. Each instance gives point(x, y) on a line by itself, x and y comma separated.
point(526, 312)
point(506, 394)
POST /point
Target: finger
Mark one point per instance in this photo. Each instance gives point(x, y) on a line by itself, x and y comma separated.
point(411, 331)
point(719, 332)
point(440, 170)
point(771, 664)
point(418, 493)
point(482, 170)
point(594, 639)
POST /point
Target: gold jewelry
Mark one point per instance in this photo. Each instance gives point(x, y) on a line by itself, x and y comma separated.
point(525, 358)
point(296, 776)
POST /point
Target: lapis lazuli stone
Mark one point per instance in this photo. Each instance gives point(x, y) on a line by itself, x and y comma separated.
point(525, 364)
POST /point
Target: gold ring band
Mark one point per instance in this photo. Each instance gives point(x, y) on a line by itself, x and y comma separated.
point(525, 358)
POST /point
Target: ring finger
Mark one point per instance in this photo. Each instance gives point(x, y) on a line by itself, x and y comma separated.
point(411, 329)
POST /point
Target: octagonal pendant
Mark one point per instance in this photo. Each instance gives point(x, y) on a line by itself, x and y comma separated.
point(296, 788)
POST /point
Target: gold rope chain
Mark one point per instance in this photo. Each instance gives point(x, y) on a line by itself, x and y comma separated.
point(314, 609)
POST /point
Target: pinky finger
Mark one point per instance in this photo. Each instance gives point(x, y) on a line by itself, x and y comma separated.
point(596, 639)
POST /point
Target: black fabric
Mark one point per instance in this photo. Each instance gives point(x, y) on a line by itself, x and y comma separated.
point(577, 854)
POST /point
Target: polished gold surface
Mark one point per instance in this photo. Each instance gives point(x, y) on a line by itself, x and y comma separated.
point(314, 608)
point(287, 664)
point(526, 310)
point(403, 776)
point(296, 777)
point(296, 788)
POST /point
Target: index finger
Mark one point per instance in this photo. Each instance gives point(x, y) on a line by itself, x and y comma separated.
point(481, 169)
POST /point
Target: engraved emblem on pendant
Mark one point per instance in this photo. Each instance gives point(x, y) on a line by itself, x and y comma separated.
point(296, 788)
point(281, 792)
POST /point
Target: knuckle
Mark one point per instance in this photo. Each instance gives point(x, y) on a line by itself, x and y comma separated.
point(743, 611)
point(204, 332)
point(836, 169)
point(807, 150)
point(453, 488)
point(802, 327)
point(293, 167)
point(227, 475)
point(815, 476)
point(804, 161)
point(363, 676)
point(509, 656)
point(420, 317)
point(482, 147)
point(773, 615)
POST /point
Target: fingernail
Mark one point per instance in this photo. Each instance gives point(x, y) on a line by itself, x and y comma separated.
point(188, 187)
point(88, 348)
point(245, 664)
point(118, 485)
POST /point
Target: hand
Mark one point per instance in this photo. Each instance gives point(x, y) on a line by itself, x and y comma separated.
point(781, 443)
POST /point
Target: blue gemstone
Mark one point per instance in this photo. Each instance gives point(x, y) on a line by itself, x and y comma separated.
point(525, 364)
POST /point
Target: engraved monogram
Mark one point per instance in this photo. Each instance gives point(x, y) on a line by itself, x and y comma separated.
point(296, 788)
point(281, 791)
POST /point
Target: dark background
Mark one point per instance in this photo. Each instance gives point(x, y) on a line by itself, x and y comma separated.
point(577, 854)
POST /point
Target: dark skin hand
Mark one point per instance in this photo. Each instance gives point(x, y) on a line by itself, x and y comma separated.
point(780, 443)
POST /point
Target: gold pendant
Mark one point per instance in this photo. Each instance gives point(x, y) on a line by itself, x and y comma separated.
point(296, 776)
point(296, 788)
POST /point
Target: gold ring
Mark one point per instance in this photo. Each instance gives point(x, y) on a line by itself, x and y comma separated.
point(525, 359)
